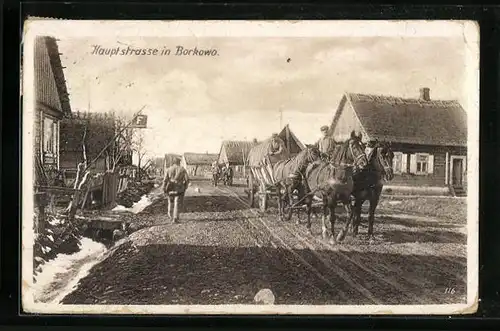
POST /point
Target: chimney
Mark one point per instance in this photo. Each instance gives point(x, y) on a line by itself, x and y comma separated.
point(425, 94)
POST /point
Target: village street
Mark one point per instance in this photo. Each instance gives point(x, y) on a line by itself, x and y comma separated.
point(223, 252)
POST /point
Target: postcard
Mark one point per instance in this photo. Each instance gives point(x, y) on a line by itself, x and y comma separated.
point(250, 167)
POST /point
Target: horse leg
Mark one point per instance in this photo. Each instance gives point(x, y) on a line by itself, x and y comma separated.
point(343, 232)
point(323, 219)
point(371, 216)
point(356, 216)
point(331, 208)
point(308, 212)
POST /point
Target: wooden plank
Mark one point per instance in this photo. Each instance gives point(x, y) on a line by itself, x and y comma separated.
point(56, 189)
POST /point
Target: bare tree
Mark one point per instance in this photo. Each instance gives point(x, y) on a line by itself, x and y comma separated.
point(82, 176)
point(123, 142)
point(139, 147)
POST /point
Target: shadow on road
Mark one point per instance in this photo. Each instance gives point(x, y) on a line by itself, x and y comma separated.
point(414, 222)
point(439, 237)
point(202, 203)
point(186, 274)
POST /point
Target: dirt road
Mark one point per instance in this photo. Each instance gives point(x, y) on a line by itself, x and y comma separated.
point(223, 252)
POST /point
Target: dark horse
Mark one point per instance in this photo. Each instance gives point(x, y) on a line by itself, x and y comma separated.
point(368, 184)
point(289, 174)
point(227, 176)
point(333, 182)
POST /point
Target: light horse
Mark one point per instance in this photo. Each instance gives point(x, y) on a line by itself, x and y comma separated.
point(368, 184)
point(333, 182)
point(216, 172)
point(289, 175)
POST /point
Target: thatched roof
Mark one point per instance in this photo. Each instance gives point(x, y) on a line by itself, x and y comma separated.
point(411, 121)
point(235, 152)
point(258, 152)
point(200, 158)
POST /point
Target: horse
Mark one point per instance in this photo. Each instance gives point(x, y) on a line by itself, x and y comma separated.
point(216, 171)
point(333, 180)
point(288, 175)
point(368, 184)
point(227, 176)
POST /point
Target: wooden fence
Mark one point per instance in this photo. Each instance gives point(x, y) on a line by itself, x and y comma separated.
point(113, 184)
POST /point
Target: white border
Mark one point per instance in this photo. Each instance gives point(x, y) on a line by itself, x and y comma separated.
point(67, 29)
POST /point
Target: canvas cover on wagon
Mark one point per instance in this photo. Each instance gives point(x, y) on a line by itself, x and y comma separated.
point(259, 152)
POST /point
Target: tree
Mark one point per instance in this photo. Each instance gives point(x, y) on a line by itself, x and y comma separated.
point(139, 147)
point(122, 146)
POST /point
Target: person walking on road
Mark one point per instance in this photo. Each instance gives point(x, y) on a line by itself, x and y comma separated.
point(175, 183)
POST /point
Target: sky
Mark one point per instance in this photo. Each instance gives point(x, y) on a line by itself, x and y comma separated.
point(193, 103)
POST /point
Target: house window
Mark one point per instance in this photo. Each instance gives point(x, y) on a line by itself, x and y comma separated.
point(422, 164)
point(49, 136)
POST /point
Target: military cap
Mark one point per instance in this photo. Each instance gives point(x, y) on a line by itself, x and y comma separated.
point(324, 128)
point(274, 135)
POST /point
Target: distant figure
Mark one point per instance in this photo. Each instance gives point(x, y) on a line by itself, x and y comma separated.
point(325, 144)
point(277, 149)
point(175, 183)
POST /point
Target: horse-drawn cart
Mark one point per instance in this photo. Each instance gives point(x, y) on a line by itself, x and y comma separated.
point(261, 182)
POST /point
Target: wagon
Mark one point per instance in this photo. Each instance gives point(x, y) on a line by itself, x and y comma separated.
point(261, 185)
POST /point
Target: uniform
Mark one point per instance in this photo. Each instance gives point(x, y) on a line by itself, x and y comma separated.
point(175, 184)
point(326, 145)
point(277, 150)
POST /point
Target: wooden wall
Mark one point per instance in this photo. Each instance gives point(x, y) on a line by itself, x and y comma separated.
point(437, 176)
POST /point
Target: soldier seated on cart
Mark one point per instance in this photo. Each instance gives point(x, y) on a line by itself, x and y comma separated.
point(277, 149)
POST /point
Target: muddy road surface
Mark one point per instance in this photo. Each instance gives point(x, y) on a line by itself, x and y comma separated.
point(223, 252)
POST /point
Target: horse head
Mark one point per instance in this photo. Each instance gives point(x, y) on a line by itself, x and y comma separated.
point(384, 156)
point(312, 153)
point(356, 153)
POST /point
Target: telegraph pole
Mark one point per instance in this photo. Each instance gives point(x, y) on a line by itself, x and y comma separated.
point(281, 118)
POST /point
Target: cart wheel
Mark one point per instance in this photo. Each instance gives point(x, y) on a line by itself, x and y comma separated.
point(251, 193)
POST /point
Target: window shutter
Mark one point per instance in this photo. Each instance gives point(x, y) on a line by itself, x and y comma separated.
point(431, 164)
point(413, 163)
point(404, 163)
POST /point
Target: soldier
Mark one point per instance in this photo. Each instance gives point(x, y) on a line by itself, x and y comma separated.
point(175, 183)
point(277, 149)
point(325, 144)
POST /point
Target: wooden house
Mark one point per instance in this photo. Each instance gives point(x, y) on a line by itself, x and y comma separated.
point(429, 138)
point(235, 154)
point(51, 104)
point(199, 164)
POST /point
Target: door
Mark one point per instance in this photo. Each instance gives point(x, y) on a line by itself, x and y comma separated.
point(457, 172)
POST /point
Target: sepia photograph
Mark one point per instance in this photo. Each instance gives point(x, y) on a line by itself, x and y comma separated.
point(250, 167)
